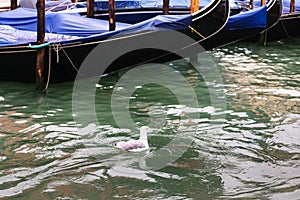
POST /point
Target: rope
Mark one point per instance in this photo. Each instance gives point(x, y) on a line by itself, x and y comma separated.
point(76, 44)
point(16, 51)
point(284, 28)
point(73, 65)
point(49, 69)
point(57, 48)
point(196, 32)
point(265, 38)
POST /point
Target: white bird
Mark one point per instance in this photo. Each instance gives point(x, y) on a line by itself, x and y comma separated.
point(137, 145)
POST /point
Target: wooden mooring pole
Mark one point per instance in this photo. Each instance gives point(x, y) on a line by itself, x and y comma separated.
point(292, 6)
point(166, 5)
point(13, 4)
point(263, 35)
point(40, 61)
point(90, 8)
point(112, 15)
point(194, 6)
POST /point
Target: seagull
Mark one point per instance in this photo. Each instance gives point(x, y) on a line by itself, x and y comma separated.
point(136, 145)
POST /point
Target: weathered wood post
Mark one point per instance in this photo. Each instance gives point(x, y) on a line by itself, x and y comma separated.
point(263, 35)
point(166, 5)
point(13, 4)
point(90, 8)
point(112, 15)
point(292, 6)
point(40, 61)
point(194, 6)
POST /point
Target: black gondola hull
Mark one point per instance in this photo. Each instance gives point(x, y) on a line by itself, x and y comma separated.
point(287, 27)
point(63, 61)
point(226, 37)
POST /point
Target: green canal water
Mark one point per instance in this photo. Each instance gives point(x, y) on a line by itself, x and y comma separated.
point(249, 148)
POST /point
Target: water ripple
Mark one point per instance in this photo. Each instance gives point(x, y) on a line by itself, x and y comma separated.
point(253, 154)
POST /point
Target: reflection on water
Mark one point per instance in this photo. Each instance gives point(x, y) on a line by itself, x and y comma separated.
point(261, 134)
point(255, 155)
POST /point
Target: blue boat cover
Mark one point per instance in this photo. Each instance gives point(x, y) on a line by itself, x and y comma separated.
point(10, 36)
point(54, 5)
point(178, 3)
point(57, 5)
point(25, 19)
point(285, 5)
point(122, 4)
point(69, 24)
point(103, 4)
point(256, 18)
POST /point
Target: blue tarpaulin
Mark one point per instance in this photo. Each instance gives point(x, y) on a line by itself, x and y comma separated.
point(121, 4)
point(24, 19)
point(55, 5)
point(10, 36)
point(285, 5)
point(69, 24)
point(178, 3)
point(256, 18)
point(103, 4)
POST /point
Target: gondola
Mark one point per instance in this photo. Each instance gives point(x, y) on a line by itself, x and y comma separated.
point(245, 22)
point(64, 58)
point(133, 11)
point(288, 25)
point(247, 26)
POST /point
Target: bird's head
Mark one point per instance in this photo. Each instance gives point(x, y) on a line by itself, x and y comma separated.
point(144, 130)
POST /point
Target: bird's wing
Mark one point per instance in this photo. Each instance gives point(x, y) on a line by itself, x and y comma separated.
point(131, 145)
